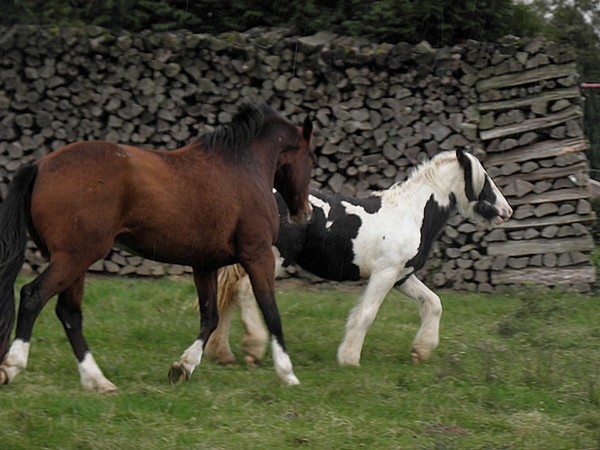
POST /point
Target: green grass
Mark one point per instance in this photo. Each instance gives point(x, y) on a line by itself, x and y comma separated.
point(512, 372)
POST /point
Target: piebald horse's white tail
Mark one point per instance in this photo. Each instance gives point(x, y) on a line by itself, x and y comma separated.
point(234, 288)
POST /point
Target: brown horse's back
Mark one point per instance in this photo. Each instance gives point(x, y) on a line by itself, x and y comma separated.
point(89, 195)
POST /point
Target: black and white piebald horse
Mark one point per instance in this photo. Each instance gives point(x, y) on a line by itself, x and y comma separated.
point(385, 238)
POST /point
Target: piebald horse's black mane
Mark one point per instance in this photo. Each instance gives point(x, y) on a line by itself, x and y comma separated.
point(251, 122)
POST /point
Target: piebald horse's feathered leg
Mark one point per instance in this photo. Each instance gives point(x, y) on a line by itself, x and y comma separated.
point(235, 288)
point(430, 310)
point(363, 315)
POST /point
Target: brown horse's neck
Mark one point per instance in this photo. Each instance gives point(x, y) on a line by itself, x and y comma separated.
point(265, 159)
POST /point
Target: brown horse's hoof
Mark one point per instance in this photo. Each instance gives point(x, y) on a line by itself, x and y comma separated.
point(3, 376)
point(178, 373)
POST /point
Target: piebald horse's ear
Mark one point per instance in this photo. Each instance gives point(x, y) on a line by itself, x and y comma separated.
point(307, 128)
point(461, 155)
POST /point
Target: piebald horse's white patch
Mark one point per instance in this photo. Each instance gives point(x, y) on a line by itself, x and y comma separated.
point(326, 207)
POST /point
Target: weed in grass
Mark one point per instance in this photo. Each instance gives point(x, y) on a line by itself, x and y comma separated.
point(537, 308)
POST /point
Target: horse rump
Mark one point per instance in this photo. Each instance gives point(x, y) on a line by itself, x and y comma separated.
point(14, 219)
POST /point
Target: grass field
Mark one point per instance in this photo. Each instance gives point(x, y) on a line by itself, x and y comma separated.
point(516, 371)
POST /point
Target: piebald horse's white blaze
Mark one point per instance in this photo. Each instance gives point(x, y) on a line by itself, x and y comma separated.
point(317, 202)
point(385, 238)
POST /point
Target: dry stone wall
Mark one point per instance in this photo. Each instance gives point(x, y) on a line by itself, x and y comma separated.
point(380, 109)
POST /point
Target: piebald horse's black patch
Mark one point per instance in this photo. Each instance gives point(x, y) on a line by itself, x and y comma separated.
point(485, 203)
point(486, 198)
point(324, 246)
point(465, 163)
point(435, 217)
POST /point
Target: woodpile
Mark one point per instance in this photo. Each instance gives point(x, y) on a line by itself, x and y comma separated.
point(380, 110)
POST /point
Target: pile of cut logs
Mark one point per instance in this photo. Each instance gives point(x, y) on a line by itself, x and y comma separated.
point(380, 109)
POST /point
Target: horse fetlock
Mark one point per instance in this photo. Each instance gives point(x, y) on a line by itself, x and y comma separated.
point(220, 353)
point(347, 356)
point(285, 371)
point(289, 379)
point(254, 350)
point(15, 361)
point(91, 376)
point(8, 373)
point(251, 361)
point(421, 352)
point(283, 364)
point(100, 385)
point(224, 357)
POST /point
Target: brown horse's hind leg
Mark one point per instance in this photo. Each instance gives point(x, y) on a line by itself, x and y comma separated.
point(68, 310)
point(33, 300)
point(64, 275)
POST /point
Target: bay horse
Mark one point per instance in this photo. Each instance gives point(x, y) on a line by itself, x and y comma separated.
point(206, 205)
point(384, 238)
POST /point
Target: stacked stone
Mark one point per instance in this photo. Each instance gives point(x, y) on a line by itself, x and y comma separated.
point(380, 109)
point(528, 119)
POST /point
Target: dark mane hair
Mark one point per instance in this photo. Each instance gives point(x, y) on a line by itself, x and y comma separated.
point(251, 122)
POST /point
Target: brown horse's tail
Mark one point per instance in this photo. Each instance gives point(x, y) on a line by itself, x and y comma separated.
point(14, 218)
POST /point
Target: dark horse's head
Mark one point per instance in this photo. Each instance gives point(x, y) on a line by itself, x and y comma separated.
point(294, 167)
point(285, 149)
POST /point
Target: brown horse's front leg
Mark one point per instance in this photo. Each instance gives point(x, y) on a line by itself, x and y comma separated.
point(261, 270)
point(206, 286)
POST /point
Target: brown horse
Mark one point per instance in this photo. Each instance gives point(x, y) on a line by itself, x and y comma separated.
point(206, 205)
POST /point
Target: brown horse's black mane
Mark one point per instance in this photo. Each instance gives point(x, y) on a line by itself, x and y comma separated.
point(251, 122)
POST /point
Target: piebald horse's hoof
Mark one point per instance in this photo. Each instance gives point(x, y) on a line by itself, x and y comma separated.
point(3, 376)
point(106, 388)
point(178, 373)
point(416, 357)
point(252, 361)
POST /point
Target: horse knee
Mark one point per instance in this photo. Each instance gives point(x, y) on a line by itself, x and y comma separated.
point(430, 306)
point(435, 306)
point(31, 301)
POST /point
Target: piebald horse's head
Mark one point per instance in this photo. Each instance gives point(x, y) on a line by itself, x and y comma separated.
point(481, 200)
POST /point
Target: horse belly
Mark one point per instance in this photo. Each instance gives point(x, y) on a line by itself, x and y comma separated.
point(189, 247)
point(332, 261)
